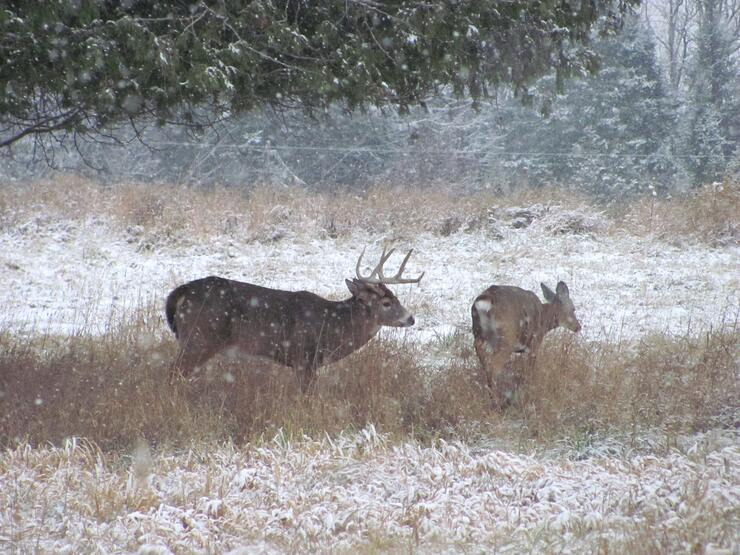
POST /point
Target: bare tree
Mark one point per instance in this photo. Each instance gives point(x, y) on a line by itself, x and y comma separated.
point(672, 23)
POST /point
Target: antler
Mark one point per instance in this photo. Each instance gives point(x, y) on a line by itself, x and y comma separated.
point(378, 270)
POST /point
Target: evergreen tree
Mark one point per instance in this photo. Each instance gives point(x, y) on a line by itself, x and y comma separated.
point(610, 133)
point(85, 66)
point(711, 129)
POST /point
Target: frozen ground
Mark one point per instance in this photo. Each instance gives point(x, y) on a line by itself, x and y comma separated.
point(64, 276)
point(362, 493)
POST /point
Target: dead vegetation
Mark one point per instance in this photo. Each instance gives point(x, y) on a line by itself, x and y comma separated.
point(160, 212)
point(113, 391)
point(112, 388)
point(363, 493)
point(708, 215)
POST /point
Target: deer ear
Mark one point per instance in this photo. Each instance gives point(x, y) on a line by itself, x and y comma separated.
point(547, 292)
point(360, 290)
point(353, 287)
point(562, 290)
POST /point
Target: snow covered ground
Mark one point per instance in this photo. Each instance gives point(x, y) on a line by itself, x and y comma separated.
point(66, 276)
point(363, 491)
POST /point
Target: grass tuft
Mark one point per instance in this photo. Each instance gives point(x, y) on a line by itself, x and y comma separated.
point(707, 215)
point(112, 390)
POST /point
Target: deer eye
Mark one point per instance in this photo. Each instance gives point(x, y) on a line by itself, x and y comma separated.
point(386, 303)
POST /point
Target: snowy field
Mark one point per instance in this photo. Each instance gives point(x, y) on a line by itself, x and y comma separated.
point(66, 276)
point(366, 492)
point(361, 492)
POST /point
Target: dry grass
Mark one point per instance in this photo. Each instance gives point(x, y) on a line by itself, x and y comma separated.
point(361, 493)
point(262, 211)
point(113, 390)
point(709, 215)
point(164, 212)
point(675, 384)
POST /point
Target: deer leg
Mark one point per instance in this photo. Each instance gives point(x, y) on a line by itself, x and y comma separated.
point(306, 376)
point(493, 365)
point(307, 359)
point(191, 354)
point(530, 362)
point(485, 355)
point(511, 379)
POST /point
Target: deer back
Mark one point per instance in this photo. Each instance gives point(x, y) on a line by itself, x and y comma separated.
point(508, 315)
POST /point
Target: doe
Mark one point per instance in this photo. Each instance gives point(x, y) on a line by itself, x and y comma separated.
point(508, 320)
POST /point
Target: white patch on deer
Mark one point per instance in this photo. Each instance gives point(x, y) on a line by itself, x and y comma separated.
point(286, 344)
point(483, 306)
point(487, 322)
point(179, 301)
point(254, 301)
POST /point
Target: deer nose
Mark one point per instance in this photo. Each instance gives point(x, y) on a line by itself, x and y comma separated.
point(409, 321)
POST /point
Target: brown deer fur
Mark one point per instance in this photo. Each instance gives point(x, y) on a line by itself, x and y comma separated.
point(508, 320)
point(297, 329)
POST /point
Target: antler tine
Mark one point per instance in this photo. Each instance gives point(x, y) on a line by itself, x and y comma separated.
point(403, 264)
point(383, 259)
point(397, 279)
point(357, 267)
point(378, 270)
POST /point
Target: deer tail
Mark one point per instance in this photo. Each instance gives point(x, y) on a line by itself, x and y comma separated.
point(170, 308)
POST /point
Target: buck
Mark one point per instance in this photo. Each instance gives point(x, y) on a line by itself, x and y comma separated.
point(508, 320)
point(297, 329)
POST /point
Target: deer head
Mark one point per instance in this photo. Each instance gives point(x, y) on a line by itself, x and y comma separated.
point(372, 291)
point(563, 307)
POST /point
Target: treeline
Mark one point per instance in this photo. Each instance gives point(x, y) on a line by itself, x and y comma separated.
point(654, 118)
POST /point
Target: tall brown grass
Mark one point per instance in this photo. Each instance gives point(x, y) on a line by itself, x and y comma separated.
point(269, 212)
point(708, 214)
point(113, 390)
point(673, 383)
